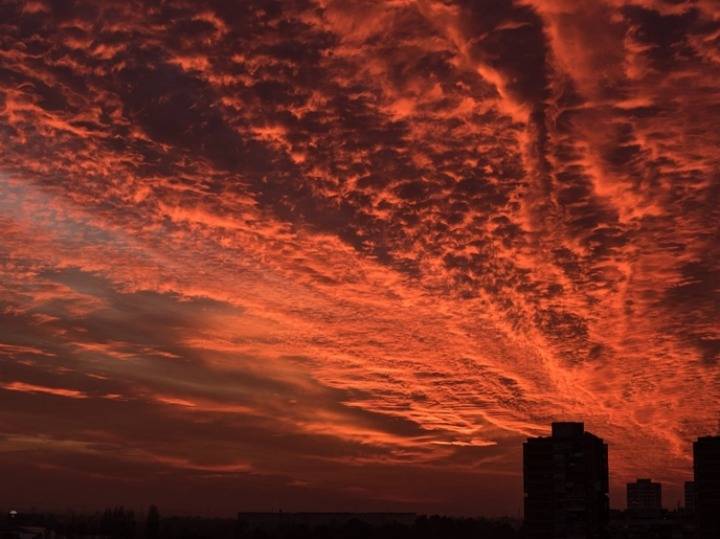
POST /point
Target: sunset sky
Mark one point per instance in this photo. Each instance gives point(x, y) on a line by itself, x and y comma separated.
point(348, 255)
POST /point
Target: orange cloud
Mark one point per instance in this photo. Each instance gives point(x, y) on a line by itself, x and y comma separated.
point(395, 235)
point(31, 388)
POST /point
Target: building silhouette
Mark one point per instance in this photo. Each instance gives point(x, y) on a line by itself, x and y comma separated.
point(706, 464)
point(644, 499)
point(689, 492)
point(565, 480)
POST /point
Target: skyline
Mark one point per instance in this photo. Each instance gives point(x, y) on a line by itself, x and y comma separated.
point(569, 440)
point(579, 458)
point(349, 255)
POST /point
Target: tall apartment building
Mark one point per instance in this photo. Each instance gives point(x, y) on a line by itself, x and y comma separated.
point(706, 465)
point(644, 499)
point(689, 492)
point(565, 479)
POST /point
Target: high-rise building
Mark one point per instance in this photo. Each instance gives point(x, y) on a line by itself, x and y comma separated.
point(690, 497)
point(566, 484)
point(644, 499)
point(706, 457)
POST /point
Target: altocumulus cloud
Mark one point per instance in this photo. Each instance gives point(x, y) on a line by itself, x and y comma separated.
point(317, 253)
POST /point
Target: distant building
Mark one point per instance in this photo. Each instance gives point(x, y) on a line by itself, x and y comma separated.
point(706, 458)
point(565, 479)
point(690, 497)
point(644, 499)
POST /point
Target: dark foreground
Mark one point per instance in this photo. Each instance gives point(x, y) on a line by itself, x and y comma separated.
point(119, 523)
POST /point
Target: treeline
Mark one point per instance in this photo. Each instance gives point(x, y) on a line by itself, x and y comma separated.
point(120, 523)
point(112, 523)
point(434, 527)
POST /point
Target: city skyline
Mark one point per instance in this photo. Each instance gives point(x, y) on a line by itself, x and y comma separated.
point(350, 255)
point(642, 496)
point(565, 486)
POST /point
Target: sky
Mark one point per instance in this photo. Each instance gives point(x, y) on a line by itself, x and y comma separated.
point(348, 255)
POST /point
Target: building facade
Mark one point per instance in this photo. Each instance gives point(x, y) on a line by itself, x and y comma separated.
point(565, 480)
point(644, 499)
point(706, 465)
point(689, 493)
